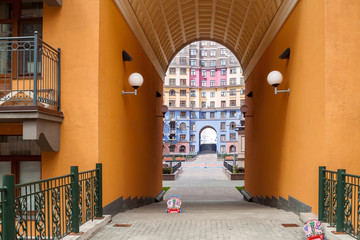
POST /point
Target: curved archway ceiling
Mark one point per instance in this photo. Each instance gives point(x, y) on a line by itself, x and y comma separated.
point(169, 25)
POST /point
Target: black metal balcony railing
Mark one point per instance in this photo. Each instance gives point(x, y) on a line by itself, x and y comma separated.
point(29, 73)
point(176, 166)
point(228, 165)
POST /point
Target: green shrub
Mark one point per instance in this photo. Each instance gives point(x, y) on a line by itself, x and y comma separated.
point(167, 170)
point(239, 169)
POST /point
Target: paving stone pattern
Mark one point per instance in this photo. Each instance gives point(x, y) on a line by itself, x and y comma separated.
point(212, 209)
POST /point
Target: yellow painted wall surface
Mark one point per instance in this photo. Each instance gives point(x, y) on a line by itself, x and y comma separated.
point(285, 136)
point(342, 85)
point(74, 28)
point(130, 136)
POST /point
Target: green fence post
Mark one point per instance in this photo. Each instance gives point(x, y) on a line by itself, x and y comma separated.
point(9, 207)
point(340, 198)
point(321, 193)
point(75, 199)
point(99, 186)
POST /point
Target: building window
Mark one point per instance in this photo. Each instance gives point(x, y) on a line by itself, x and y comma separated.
point(172, 103)
point(182, 149)
point(223, 72)
point(223, 103)
point(223, 93)
point(212, 63)
point(203, 43)
point(223, 61)
point(212, 43)
point(232, 92)
point(172, 70)
point(192, 104)
point(232, 81)
point(192, 115)
point(203, 83)
point(192, 51)
point(212, 94)
point(182, 60)
point(172, 148)
point(183, 50)
point(212, 73)
point(192, 126)
point(232, 126)
point(212, 83)
point(172, 114)
point(172, 92)
point(242, 80)
point(203, 53)
point(192, 138)
point(172, 81)
point(212, 115)
point(193, 44)
point(192, 62)
point(223, 114)
point(222, 126)
point(192, 93)
point(203, 63)
point(192, 82)
point(203, 104)
point(232, 59)
point(183, 103)
point(212, 104)
point(203, 73)
point(183, 126)
point(183, 71)
point(232, 113)
point(192, 148)
point(203, 115)
point(222, 138)
point(182, 92)
point(242, 91)
point(232, 136)
point(183, 82)
point(212, 53)
point(222, 148)
point(193, 72)
point(232, 149)
point(223, 82)
point(232, 103)
point(242, 102)
point(203, 93)
point(183, 114)
point(182, 137)
point(223, 51)
point(232, 70)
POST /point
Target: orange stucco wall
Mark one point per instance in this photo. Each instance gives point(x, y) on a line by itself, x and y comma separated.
point(290, 136)
point(285, 136)
point(130, 135)
point(101, 125)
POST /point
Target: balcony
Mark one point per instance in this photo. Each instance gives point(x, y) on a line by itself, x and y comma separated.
point(30, 89)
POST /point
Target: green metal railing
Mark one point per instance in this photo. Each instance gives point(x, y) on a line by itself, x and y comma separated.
point(50, 208)
point(339, 200)
point(2, 190)
point(29, 72)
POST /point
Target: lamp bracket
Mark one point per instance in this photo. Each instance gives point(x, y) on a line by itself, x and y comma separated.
point(282, 91)
point(135, 92)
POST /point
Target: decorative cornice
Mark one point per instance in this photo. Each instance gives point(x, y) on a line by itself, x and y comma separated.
point(281, 16)
point(131, 19)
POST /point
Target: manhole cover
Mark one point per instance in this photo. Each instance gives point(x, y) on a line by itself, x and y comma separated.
point(122, 225)
point(289, 225)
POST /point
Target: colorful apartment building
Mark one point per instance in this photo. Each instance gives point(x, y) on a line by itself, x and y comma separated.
point(204, 88)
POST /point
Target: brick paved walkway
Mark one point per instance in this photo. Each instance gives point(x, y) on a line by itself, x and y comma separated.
point(212, 209)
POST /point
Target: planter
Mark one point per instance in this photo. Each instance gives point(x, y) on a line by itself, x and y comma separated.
point(234, 176)
point(171, 177)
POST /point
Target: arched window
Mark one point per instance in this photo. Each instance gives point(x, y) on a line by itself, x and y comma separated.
point(172, 92)
point(232, 148)
point(182, 148)
point(183, 126)
point(232, 126)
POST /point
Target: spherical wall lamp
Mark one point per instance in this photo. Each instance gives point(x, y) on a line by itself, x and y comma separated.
point(244, 109)
point(274, 79)
point(135, 80)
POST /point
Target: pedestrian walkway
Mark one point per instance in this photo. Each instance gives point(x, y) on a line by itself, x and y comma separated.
point(212, 209)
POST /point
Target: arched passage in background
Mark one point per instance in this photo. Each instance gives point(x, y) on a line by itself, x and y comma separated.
point(208, 139)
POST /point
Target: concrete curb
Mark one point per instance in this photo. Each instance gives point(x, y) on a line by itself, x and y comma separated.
point(304, 217)
point(90, 228)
